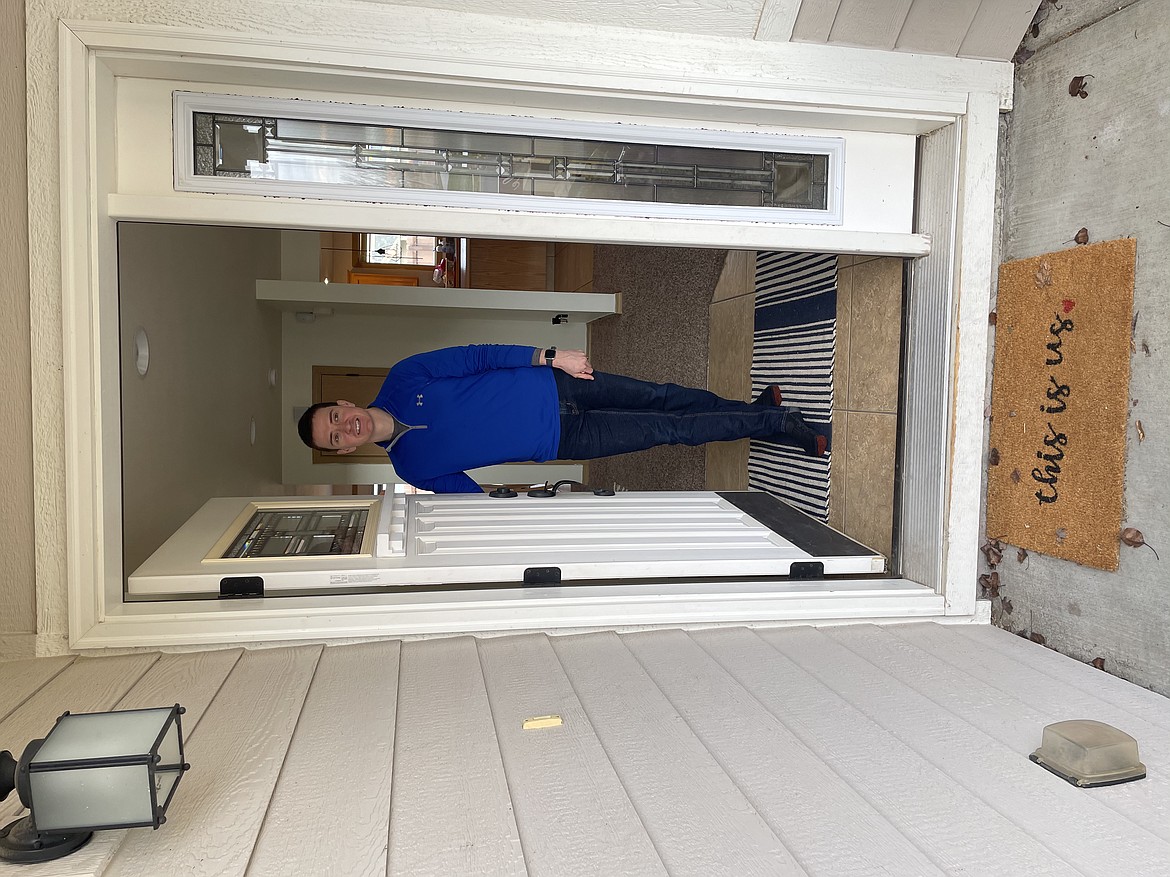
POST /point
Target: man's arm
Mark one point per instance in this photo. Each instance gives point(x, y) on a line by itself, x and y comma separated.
point(474, 359)
point(571, 362)
point(458, 362)
point(459, 482)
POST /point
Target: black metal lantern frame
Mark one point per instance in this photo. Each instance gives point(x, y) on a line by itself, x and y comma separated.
point(92, 772)
point(151, 760)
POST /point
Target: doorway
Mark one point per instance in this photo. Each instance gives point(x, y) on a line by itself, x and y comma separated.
point(216, 411)
point(941, 428)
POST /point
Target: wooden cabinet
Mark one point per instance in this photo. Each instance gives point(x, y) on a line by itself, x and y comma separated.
point(495, 264)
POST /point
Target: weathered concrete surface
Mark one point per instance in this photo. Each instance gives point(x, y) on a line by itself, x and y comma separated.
point(1055, 21)
point(1101, 163)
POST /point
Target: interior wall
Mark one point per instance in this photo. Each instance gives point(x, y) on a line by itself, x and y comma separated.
point(17, 583)
point(1099, 163)
point(371, 341)
point(186, 424)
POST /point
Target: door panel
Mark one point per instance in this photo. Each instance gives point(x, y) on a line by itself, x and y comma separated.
point(475, 539)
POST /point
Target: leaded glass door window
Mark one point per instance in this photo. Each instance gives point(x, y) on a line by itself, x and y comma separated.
point(237, 144)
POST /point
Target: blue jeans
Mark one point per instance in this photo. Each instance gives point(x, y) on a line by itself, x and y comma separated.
point(613, 414)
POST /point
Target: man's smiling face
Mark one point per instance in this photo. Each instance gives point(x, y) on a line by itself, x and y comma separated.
point(342, 427)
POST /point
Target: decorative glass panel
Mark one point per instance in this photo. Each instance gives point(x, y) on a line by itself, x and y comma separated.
point(300, 532)
point(400, 157)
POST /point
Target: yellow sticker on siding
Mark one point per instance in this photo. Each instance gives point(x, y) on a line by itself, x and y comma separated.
point(541, 722)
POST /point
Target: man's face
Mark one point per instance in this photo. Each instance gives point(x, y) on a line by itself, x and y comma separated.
point(342, 427)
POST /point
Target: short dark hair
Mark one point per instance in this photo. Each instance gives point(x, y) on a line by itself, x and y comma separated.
point(305, 424)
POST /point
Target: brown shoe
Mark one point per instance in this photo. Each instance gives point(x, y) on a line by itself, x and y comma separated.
point(769, 396)
point(808, 439)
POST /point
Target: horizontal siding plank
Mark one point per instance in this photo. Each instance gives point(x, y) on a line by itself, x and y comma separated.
point(192, 680)
point(869, 23)
point(777, 20)
point(573, 814)
point(20, 680)
point(698, 818)
point(814, 21)
point(1013, 704)
point(330, 810)
point(955, 828)
point(936, 26)
point(776, 772)
point(87, 685)
point(450, 811)
point(1073, 825)
point(236, 753)
point(1133, 699)
point(997, 28)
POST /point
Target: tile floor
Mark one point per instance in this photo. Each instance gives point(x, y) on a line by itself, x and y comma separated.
point(865, 419)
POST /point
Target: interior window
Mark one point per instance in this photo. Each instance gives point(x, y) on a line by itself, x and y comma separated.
point(397, 249)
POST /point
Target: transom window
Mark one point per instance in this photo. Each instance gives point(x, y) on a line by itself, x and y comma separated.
point(433, 157)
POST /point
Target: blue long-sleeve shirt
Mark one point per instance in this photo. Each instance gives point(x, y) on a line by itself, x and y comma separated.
point(480, 405)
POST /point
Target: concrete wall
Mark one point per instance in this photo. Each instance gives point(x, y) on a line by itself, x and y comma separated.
point(186, 424)
point(1100, 163)
point(17, 583)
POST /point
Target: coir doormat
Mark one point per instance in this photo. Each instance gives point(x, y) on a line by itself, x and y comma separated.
point(1060, 401)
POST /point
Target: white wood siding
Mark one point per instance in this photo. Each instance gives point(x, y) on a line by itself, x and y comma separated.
point(990, 29)
point(993, 28)
point(853, 750)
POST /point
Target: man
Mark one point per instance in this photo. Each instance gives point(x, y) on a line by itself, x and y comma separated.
point(441, 413)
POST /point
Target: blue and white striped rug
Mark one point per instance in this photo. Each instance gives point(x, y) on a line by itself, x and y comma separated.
point(794, 346)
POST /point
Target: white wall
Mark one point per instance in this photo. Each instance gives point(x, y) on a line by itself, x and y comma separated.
point(186, 424)
point(17, 595)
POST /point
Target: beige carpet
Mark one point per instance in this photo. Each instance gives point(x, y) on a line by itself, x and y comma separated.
point(661, 335)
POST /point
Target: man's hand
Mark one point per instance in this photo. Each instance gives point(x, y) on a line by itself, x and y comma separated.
point(574, 363)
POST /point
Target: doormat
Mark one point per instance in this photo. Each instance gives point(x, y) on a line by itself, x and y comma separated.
point(1060, 402)
point(794, 344)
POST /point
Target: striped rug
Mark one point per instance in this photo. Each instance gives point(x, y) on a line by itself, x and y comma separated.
point(794, 346)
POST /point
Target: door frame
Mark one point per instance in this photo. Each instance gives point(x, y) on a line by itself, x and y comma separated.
point(650, 74)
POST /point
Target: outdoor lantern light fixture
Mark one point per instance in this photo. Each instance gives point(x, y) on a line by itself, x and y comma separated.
point(93, 771)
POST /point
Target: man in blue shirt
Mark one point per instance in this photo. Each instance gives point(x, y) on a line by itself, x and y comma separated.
point(441, 413)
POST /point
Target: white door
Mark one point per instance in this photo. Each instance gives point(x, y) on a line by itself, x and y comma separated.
point(433, 541)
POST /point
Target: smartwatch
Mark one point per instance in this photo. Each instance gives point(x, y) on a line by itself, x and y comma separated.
point(550, 354)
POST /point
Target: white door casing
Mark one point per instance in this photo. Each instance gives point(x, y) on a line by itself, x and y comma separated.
point(653, 74)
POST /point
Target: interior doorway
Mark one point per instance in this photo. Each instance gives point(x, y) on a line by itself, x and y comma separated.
point(210, 415)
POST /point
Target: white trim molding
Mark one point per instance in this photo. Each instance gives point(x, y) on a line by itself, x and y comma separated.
point(688, 81)
point(186, 104)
